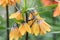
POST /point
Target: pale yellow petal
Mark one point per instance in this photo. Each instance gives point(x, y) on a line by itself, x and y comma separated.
point(14, 33)
point(44, 27)
point(35, 29)
point(47, 26)
point(16, 38)
point(6, 1)
point(22, 29)
point(42, 31)
point(17, 16)
point(39, 18)
point(30, 16)
point(14, 15)
point(30, 22)
point(28, 29)
point(35, 13)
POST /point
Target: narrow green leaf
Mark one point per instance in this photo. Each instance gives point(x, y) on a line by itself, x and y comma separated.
point(1, 28)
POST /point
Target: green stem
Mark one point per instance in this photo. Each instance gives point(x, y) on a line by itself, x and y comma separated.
point(25, 6)
point(26, 22)
point(54, 20)
point(54, 35)
point(7, 24)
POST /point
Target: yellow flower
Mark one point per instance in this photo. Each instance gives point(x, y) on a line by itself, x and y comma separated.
point(42, 31)
point(34, 12)
point(39, 18)
point(31, 19)
point(35, 29)
point(30, 22)
point(14, 33)
point(44, 27)
point(36, 15)
point(8, 2)
point(17, 16)
point(27, 27)
point(30, 16)
point(24, 28)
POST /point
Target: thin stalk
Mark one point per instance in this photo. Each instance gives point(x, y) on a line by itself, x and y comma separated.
point(25, 6)
point(54, 20)
point(54, 35)
point(32, 23)
point(7, 21)
point(16, 8)
point(27, 22)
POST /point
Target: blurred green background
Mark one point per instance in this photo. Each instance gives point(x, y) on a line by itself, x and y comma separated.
point(45, 12)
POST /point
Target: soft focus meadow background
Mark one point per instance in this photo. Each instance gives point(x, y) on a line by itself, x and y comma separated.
point(45, 12)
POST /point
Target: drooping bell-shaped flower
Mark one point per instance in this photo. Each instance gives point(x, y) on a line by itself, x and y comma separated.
point(8, 2)
point(44, 27)
point(24, 28)
point(57, 10)
point(35, 29)
point(17, 16)
point(14, 33)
